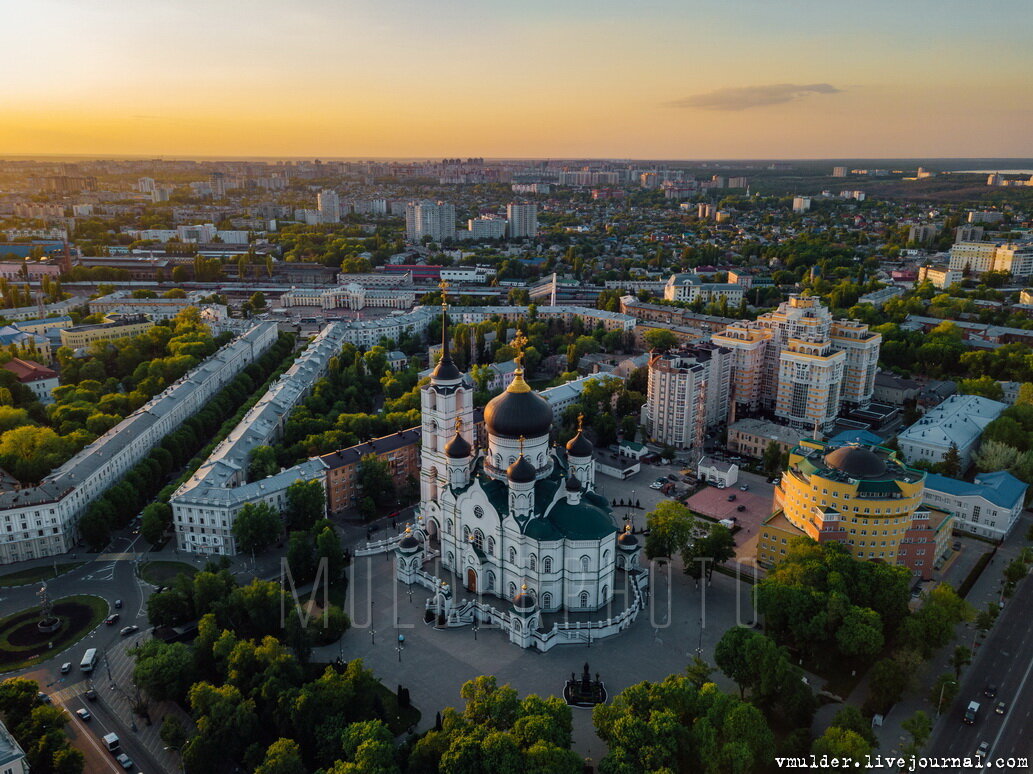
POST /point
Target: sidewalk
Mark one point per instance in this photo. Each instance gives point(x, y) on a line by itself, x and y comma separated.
point(891, 735)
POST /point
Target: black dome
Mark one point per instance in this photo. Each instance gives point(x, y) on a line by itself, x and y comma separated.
point(519, 411)
point(408, 542)
point(446, 369)
point(856, 462)
point(458, 448)
point(573, 485)
point(521, 471)
point(523, 601)
point(627, 539)
point(579, 446)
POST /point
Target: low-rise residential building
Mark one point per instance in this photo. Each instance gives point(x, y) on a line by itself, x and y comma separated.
point(941, 277)
point(691, 288)
point(879, 297)
point(115, 326)
point(350, 296)
point(864, 498)
point(565, 395)
point(989, 507)
point(31, 342)
point(895, 390)
point(401, 451)
point(717, 472)
point(958, 421)
point(38, 378)
point(750, 437)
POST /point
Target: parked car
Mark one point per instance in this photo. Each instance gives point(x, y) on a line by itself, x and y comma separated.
point(43, 697)
point(66, 667)
point(1001, 708)
point(744, 488)
point(111, 619)
point(125, 761)
point(127, 630)
point(118, 604)
point(983, 749)
point(740, 508)
point(91, 695)
point(656, 485)
point(84, 714)
point(957, 545)
point(731, 498)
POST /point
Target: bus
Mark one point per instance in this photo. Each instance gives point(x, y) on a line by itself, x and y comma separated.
point(89, 660)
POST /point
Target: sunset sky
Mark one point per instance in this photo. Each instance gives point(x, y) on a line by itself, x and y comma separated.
point(525, 78)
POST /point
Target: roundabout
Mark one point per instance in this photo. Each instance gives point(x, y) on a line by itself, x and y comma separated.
point(37, 633)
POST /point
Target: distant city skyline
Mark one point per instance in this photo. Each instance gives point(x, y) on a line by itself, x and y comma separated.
point(667, 79)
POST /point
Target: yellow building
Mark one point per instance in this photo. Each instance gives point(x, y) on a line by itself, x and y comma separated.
point(862, 497)
point(114, 327)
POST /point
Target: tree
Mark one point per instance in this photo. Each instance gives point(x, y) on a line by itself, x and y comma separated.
point(328, 546)
point(944, 691)
point(961, 657)
point(164, 670)
point(951, 464)
point(699, 672)
point(306, 504)
point(670, 527)
point(994, 455)
point(660, 339)
point(301, 557)
point(887, 680)
point(920, 726)
point(154, 521)
point(257, 300)
point(772, 459)
point(256, 527)
point(262, 463)
point(850, 718)
point(172, 732)
point(848, 747)
point(375, 480)
point(860, 634)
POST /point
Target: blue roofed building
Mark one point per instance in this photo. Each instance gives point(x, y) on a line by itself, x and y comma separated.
point(988, 507)
point(858, 437)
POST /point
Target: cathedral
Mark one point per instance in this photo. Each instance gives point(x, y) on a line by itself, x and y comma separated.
point(516, 519)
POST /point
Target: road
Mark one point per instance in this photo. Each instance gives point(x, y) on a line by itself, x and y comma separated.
point(1005, 661)
point(112, 576)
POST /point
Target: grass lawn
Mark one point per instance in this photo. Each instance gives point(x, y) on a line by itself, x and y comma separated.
point(81, 614)
point(33, 574)
point(398, 720)
point(160, 572)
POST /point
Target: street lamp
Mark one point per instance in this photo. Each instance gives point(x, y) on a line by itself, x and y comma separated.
point(400, 646)
point(476, 628)
point(372, 636)
point(942, 687)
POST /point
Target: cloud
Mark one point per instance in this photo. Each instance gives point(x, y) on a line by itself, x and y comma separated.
point(746, 97)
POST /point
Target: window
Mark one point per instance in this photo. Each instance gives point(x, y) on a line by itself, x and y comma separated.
point(606, 594)
point(478, 511)
point(512, 556)
point(448, 526)
point(491, 546)
point(583, 599)
point(546, 600)
point(585, 563)
point(466, 534)
point(491, 581)
point(512, 590)
point(547, 564)
point(533, 563)
point(451, 560)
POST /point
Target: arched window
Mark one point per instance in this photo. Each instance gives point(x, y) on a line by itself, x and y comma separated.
point(491, 546)
point(478, 539)
point(583, 598)
point(546, 600)
point(498, 461)
point(512, 556)
point(449, 526)
point(606, 557)
point(533, 563)
point(451, 560)
point(606, 594)
point(585, 563)
point(491, 581)
point(466, 534)
point(620, 561)
point(547, 564)
point(512, 590)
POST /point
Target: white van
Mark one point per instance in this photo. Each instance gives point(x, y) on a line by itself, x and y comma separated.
point(111, 742)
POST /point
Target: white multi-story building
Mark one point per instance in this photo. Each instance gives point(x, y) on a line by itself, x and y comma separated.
point(522, 220)
point(989, 507)
point(349, 296)
point(206, 505)
point(12, 756)
point(941, 277)
point(981, 257)
point(801, 203)
point(959, 421)
point(39, 521)
point(484, 228)
point(329, 204)
point(436, 220)
point(691, 288)
point(687, 393)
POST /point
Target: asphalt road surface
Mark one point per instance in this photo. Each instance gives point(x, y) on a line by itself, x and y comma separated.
point(1006, 662)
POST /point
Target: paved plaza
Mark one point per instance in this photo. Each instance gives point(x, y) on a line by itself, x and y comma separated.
point(433, 663)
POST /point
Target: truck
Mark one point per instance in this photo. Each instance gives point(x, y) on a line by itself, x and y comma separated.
point(971, 712)
point(89, 660)
point(111, 742)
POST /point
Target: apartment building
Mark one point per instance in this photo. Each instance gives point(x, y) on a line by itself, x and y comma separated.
point(686, 394)
point(980, 257)
point(38, 378)
point(941, 277)
point(862, 497)
point(522, 220)
point(12, 756)
point(206, 505)
point(989, 507)
point(401, 452)
point(751, 437)
point(800, 363)
point(115, 326)
point(436, 220)
point(39, 521)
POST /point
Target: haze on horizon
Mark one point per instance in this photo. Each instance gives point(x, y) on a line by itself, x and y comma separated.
point(661, 79)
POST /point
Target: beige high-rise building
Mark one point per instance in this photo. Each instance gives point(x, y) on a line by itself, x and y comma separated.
point(687, 393)
point(981, 257)
point(801, 363)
